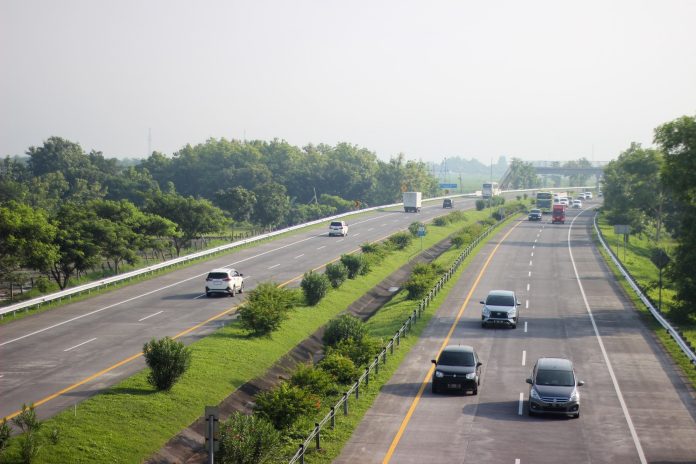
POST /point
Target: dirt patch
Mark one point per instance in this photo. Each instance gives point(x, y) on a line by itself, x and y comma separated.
point(188, 447)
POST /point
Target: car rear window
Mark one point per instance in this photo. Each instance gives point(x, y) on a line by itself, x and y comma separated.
point(456, 358)
point(555, 377)
point(217, 275)
point(500, 300)
point(336, 224)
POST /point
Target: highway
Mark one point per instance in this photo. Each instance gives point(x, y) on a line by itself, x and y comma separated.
point(635, 407)
point(59, 357)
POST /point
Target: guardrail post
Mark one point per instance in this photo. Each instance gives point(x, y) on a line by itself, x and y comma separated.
point(392, 347)
point(333, 417)
point(316, 427)
point(357, 389)
point(367, 377)
point(302, 453)
point(398, 338)
point(377, 365)
point(345, 404)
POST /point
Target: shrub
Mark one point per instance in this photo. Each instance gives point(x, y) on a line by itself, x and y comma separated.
point(457, 241)
point(456, 216)
point(418, 286)
point(488, 221)
point(342, 328)
point(248, 439)
point(368, 248)
point(266, 308)
point(401, 240)
point(413, 228)
point(30, 425)
point(361, 352)
point(480, 205)
point(441, 221)
point(315, 286)
point(337, 273)
point(271, 293)
point(5, 433)
point(314, 380)
point(353, 263)
point(284, 405)
point(168, 359)
point(340, 367)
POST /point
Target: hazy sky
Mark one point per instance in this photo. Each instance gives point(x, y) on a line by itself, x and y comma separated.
point(553, 80)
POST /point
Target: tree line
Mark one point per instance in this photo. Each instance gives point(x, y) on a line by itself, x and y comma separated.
point(653, 190)
point(63, 211)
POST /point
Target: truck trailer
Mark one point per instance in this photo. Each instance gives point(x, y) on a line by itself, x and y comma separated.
point(412, 202)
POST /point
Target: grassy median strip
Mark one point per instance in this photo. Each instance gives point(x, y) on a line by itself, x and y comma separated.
point(637, 262)
point(131, 421)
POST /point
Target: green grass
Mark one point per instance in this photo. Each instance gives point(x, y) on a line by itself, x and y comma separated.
point(638, 264)
point(130, 421)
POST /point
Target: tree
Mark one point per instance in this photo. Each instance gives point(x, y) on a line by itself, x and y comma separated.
point(238, 201)
point(677, 139)
point(248, 439)
point(272, 205)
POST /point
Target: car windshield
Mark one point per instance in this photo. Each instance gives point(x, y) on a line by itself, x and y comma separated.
point(536, 211)
point(217, 275)
point(456, 358)
point(555, 378)
point(500, 300)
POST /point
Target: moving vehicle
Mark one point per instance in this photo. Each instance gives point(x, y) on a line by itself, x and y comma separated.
point(577, 204)
point(412, 202)
point(588, 195)
point(500, 307)
point(457, 368)
point(490, 189)
point(447, 203)
point(535, 215)
point(554, 388)
point(544, 201)
point(558, 214)
point(338, 228)
point(225, 281)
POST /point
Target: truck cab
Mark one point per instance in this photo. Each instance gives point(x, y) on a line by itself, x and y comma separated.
point(558, 214)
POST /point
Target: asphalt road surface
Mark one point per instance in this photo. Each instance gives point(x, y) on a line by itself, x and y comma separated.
point(635, 408)
point(62, 356)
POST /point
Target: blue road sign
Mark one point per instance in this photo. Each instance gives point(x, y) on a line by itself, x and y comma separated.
point(448, 186)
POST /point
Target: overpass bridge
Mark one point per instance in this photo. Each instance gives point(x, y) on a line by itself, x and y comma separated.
point(556, 168)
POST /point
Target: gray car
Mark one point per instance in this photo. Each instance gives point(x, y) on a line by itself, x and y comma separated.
point(554, 388)
point(500, 307)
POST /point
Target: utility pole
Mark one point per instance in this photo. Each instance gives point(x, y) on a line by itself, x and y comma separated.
point(149, 142)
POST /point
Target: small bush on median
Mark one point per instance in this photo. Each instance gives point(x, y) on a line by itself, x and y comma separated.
point(342, 328)
point(314, 380)
point(340, 367)
point(441, 221)
point(401, 240)
point(353, 263)
point(337, 273)
point(168, 360)
point(248, 439)
point(285, 404)
point(480, 205)
point(315, 286)
point(361, 351)
point(266, 308)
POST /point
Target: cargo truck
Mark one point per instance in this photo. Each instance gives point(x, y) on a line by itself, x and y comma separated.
point(558, 214)
point(412, 202)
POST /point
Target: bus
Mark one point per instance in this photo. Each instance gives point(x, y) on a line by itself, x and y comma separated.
point(490, 189)
point(544, 201)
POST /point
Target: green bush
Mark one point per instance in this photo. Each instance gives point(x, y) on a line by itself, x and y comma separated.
point(361, 351)
point(413, 228)
point(369, 248)
point(285, 404)
point(488, 221)
point(343, 327)
point(353, 263)
point(5, 434)
point(441, 221)
point(266, 308)
point(401, 240)
point(340, 367)
point(315, 287)
point(480, 205)
point(168, 360)
point(456, 216)
point(314, 380)
point(418, 286)
point(248, 439)
point(337, 273)
point(457, 241)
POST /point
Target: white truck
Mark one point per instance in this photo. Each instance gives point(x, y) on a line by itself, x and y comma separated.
point(412, 202)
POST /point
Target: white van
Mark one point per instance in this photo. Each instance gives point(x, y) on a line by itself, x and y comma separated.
point(338, 228)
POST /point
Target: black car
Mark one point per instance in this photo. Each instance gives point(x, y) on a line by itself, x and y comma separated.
point(535, 215)
point(458, 368)
point(554, 388)
point(447, 203)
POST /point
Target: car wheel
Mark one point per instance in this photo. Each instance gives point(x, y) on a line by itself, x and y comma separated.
point(208, 294)
point(531, 413)
point(231, 292)
point(241, 288)
point(577, 415)
point(483, 324)
point(474, 391)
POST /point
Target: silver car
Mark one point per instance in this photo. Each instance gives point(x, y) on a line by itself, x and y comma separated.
point(500, 307)
point(554, 388)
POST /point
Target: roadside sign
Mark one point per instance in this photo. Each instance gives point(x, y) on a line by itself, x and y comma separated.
point(448, 186)
point(622, 229)
point(421, 231)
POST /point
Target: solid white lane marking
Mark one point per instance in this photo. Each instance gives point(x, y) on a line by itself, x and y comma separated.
point(274, 266)
point(527, 287)
point(80, 344)
point(524, 357)
point(299, 256)
point(629, 421)
point(148, 317)
point(525, 326)
point(519, 407)
point(323, 246)
point(526, 304)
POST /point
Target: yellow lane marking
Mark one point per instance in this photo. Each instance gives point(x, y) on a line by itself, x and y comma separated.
point(427, 377)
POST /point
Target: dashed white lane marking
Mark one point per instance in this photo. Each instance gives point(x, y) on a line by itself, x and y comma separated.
point(274, 266)
point(614, 380)
point(533, 247)
point(151, 315)
point(355, 235)
point(370, 229)
point(525, 326)
point(323, 246)
point(383, 224)
point(530, 274)
point(517, 461)
point(526, 304)
point(519, 407)
point(524, 357)
point(530, 262)
point(535, 241)
point(80, 344)
point(527, 287)
point(532, 254)
point(299, 256)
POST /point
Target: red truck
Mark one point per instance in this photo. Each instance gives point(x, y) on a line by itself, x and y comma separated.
point(558, 214)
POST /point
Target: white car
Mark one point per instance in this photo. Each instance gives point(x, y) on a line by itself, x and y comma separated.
point(563, 201)
point(225, 281)
point(338, 228)
point(577, 204)
point(588, 195)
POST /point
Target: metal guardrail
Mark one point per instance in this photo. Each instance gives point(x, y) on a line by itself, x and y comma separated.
point(373, 367)
point(97, 284)
point(683, 344)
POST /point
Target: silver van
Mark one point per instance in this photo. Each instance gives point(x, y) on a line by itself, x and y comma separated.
point(554, 388)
